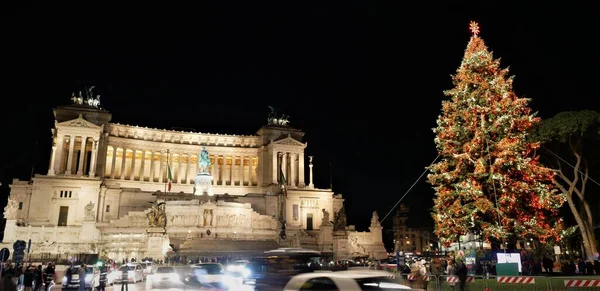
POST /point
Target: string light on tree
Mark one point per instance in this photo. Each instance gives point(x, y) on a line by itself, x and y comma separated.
point(474, 27)
point(489, 179)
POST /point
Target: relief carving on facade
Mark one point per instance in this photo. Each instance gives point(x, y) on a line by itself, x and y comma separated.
point(208, 217)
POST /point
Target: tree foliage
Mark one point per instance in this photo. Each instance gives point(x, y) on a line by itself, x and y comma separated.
point(489, 180)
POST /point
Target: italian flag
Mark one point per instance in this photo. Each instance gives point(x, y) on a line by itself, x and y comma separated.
point(169, 177)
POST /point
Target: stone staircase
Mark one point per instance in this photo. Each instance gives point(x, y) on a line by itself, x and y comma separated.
point(131, 219)
point(211, 246)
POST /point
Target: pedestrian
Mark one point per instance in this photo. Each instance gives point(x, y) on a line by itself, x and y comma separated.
point(460, 270)
point(28, 279)
point(81, 272)
point(103, 278)
point(38, 278)
point(124, 278)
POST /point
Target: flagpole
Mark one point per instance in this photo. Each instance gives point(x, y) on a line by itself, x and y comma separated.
point(167, 171)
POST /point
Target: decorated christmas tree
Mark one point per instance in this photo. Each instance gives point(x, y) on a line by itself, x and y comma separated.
point(489, 180)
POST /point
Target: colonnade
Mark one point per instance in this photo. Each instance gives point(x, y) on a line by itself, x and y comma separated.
point(74, 155)
point(144, 165)
point(292, 166)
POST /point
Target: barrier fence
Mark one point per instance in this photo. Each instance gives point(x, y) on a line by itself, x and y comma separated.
point(432, 282)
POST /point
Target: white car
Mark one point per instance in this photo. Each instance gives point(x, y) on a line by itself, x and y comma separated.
point(352, 280)
point(212, 274)
point(135, 273)
point(164, 276)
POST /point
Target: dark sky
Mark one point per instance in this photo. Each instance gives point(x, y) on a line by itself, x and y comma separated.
point(363, 79)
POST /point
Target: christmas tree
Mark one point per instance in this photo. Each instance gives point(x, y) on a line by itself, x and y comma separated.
point(489, 180)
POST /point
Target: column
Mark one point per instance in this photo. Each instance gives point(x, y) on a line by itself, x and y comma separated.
point(52, 161)
point(231, 171)
point(132, 177)
point(242, 170)
point(211, 169)
point(142, 162)
point(275, 169)
point(151, 178)
point(94, 158)
point(161, 172)
point(187, 169)
point(60, 148)
point(71, 151)
point(180, 169)
point(310, 176)
point(284, 167)
point(102, 209)
point(301, 170)
point(123, 161)
point(222, 170)
point(249, 170)
point(113, 163)
point(292, 170)
point(81, 156)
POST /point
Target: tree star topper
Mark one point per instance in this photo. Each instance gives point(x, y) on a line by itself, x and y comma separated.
point(474, 27)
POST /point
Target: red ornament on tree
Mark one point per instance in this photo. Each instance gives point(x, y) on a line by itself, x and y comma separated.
point(488, 180)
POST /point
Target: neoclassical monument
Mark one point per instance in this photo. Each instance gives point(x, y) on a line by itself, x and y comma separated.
point(129, 191)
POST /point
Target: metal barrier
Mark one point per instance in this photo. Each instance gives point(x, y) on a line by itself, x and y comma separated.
point(452, 283)
point(503, 283)
point(574, 283)
point(429, 282)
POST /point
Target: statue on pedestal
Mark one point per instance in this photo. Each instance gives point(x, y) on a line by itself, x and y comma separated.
point(203, 161)
point(208, 217)
point(339, 219)
point(89, 211)
point(325, 217)
point(10, 211)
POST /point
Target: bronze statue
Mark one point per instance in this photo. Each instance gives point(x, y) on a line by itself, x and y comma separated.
point(339, 219)
point(157, 216)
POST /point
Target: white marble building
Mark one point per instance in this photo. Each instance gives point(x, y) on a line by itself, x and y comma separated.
point(117, 170)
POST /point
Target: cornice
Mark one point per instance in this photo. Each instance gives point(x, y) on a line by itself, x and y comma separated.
point(182, 137)
point(180, 148)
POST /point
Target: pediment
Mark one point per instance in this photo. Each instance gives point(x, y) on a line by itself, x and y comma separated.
point(289, 141)
point(78, 122)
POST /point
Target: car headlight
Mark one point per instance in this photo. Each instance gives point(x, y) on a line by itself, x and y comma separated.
point(65, 280)
point(246, 273)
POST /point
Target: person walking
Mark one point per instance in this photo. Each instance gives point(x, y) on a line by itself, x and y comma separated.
point(81, 273)
point(124, 278)
point(460, 270)
point(49, 276)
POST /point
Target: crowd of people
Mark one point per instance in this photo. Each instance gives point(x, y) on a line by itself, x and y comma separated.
point(27, 277)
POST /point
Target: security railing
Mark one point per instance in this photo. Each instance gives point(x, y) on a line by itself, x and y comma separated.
point(432, 282)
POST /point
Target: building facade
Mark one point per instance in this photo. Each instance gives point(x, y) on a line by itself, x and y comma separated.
point(411, 240)
point(102, 178)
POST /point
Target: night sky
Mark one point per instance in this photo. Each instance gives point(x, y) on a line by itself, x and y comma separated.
point(364, 80)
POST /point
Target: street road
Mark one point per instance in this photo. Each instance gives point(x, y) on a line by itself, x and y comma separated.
point(141, 286)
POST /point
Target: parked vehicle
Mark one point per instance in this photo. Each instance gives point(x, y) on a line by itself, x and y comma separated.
point(71, 280)
point(135, 273)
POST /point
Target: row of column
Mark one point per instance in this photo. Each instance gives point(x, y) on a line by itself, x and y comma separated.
point(292, 166)
point(67, 145)
point(183, 166)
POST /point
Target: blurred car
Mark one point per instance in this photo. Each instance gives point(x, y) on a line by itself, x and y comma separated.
point(147, 267)
point(353, 280)
point(108, 275)
point(72, 281)
point(163, 276)
point(135, 273)
point(212, 275)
